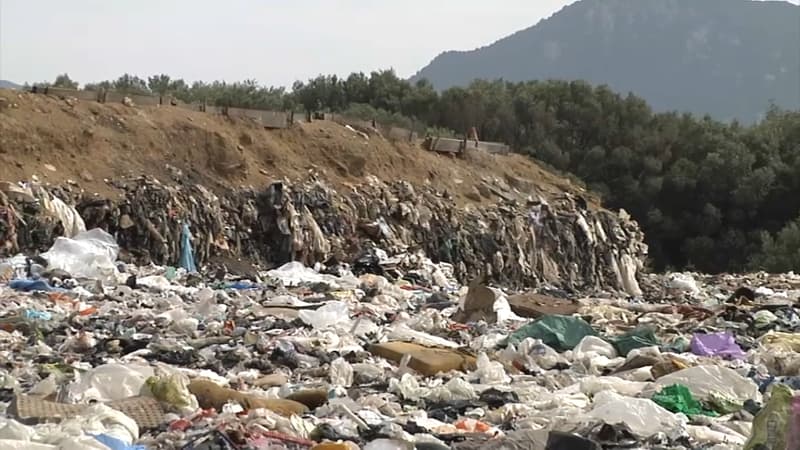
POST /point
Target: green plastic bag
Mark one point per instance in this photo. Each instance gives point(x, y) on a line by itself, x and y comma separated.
point(560, 332)
point(678, 399)
point(771, 424)
point(638, 338)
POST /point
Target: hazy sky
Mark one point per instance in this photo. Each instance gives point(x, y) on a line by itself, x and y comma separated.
point(273, 41)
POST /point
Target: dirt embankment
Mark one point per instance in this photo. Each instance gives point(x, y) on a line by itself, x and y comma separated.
point(91, 143)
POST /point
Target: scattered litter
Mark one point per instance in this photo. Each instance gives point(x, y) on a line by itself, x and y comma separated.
point(383, 318)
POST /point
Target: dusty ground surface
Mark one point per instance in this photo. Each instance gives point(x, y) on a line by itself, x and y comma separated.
point(65, 139)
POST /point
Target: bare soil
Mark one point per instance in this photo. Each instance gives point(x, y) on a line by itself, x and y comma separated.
point(60, 140)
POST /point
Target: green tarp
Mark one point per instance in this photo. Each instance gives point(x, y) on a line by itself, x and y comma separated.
point(638, 338)
point(562, 333)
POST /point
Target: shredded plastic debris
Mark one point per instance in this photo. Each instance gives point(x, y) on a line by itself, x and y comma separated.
point(384, 318)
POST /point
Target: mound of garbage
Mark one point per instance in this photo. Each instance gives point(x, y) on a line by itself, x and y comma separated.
point(378, 227)
point(383, 317)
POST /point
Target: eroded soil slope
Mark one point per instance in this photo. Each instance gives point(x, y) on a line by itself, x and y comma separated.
point(65, 139)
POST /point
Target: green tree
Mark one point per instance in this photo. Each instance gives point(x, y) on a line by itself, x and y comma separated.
point(130, 84)
point(356, 88)
point(420, 102)
point(97, 86)
point(159, 84)
point(64, 81)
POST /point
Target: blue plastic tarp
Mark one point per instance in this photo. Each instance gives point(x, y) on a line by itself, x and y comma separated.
point(187, 255)
point(30, 285)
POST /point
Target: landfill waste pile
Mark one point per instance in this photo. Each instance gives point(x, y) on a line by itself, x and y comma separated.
point(375, 227)
point(383, 318)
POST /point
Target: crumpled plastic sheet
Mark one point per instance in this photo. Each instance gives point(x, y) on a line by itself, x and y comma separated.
point(705, 380)
point(490, 372)
point(109, 382)
point(560, 332)
point(296, 274)
point(721, 344)
point(328, 315)
point(72, 434)
point(593, 355)
point(644, 417)
point(89, 254)
point(70, 218)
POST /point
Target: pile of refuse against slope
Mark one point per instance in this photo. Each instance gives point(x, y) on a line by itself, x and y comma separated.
point(375, 227)
point(171, 350)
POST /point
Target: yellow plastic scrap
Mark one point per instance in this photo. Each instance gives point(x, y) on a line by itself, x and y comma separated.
point(343, 296)
point(171, 390)
point(603, 314)
point(775, 341)
point(771, 423)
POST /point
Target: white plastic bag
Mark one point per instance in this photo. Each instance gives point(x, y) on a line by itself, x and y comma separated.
point(295, 273)
point(703, 380)
point(628, 267)
point(487, 341)
point(73, 433)
point(90, 254)
point(156, 282)
point(341, 373)
point(502, 308)
point(644, 417)
point(70, 219)
point(408, 388)
point(683, 282)
point(13, 267)
point(453, 390)
point(593, 345)
point(102, 419)
point(705, 436)
point(540, 353)
point(593, 355)
point(594, 385)
point(382, 286)
point(363, 326)
point(327, 316)
point(490, 372)
point(109, 382)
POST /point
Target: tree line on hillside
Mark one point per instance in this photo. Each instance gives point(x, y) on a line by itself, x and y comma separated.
point(709, 195)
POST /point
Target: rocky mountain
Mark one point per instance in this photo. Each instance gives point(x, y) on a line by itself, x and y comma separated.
point(5, 84)
point(727, 58)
